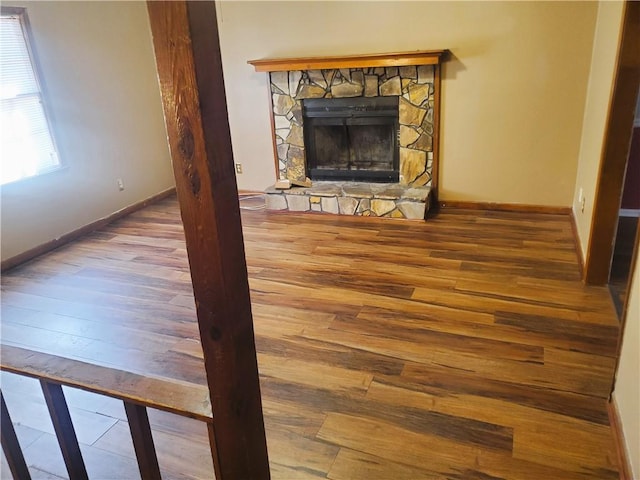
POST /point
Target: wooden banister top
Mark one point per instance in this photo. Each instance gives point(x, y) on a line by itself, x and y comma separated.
point(182, 398)
point(399, 59)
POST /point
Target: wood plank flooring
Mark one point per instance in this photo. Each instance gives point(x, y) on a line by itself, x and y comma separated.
point(464, 347)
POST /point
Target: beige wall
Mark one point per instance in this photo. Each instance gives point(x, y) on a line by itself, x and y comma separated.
point(627, 389)
point(98, 65)
point(605, 47)
point(513, 93)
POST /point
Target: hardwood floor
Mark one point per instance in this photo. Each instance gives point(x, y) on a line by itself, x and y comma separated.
point(464, 347)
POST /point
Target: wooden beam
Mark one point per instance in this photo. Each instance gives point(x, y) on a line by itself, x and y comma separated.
point(615, 150)
point(185, 38)
point(398, 59)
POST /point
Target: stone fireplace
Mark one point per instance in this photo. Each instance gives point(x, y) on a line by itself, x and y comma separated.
point(364, 129)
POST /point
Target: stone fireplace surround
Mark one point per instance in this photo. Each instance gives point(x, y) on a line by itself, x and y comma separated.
point(413, 77)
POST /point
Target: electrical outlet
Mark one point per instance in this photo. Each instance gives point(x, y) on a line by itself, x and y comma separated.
point(120, 184)
point(238, 168)
point(580, 196)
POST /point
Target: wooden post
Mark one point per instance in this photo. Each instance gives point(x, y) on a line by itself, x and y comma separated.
point(185, 38)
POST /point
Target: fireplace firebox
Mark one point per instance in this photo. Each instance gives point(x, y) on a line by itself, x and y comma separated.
point(352, 139)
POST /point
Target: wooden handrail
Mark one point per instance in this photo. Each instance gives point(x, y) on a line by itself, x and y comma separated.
point(137, 392)
point(181, 398)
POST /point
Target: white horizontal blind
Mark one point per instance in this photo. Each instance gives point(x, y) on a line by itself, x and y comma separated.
point(27, 146)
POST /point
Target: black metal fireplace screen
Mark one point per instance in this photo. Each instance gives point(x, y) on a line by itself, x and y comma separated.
point(353, 139)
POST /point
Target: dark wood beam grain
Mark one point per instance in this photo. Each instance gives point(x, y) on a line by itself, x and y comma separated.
point(185, 38)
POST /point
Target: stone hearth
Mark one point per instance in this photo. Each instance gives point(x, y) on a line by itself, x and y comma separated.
point(352, 198)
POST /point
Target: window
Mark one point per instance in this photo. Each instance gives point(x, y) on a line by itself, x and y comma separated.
point(27, 146)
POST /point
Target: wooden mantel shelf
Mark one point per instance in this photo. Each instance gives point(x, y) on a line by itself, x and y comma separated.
point(401, 59)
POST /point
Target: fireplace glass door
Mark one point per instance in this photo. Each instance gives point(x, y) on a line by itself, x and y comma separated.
point(354, 139)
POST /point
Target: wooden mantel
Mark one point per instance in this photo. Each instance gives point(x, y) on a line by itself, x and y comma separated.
point(398, 59)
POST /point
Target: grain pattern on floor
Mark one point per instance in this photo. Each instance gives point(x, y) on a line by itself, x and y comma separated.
point(464, 347)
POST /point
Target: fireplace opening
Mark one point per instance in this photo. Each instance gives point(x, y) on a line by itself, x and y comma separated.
point(352, 139)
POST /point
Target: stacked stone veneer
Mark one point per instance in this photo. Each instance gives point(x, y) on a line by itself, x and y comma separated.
point(413, 84)
point(351, 198)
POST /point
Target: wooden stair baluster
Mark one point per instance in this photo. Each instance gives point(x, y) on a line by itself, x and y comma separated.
point(142, 441)
point(62, 424)
point(11, 446)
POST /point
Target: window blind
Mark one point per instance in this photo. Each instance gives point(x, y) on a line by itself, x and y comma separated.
point(27, 146)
